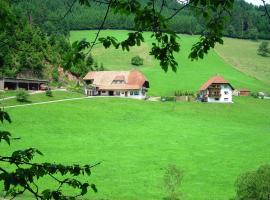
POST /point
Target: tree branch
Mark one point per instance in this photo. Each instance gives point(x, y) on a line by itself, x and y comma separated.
point(101, 27)
point(66, 13)
point(178, 10)
point(266, 10)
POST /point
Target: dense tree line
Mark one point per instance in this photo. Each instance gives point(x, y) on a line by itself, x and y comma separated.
point(246, 19)
point(25, 51)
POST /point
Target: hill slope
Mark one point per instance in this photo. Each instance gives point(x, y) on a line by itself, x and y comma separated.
point(242, 54)
point(190, 75)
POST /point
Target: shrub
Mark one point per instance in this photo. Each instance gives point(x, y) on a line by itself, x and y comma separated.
point(172, 181)
point(49, 93)
point(137, 60)
point(22, 95)
point(76, 87)
point(254, 184)
point(264, 49)
point(254, 94)
point(185, 93)
point(168, 99)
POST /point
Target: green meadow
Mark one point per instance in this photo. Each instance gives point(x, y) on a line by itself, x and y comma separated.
point(190, 75)
point(242, 54)
point(136, 140)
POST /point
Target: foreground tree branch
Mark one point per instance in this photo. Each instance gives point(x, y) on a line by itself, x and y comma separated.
point(267, 14)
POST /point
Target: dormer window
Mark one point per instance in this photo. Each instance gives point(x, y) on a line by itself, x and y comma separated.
point(119, 80)
point(88, 82)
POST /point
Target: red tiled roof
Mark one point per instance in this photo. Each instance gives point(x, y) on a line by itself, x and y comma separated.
point(136, 78)
point(215, 79)
point(119, 78)
point(119, 87)
point(104, 79)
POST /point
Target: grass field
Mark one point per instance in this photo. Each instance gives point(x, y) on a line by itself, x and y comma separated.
point(190, 75)
point(137, 140)
point(242, 54)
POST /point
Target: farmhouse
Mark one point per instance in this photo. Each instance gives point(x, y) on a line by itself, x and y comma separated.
point(216, 89)
point(116, 83)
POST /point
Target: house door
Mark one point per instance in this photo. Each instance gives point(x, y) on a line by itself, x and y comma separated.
point(126, 93)
point(110, 93)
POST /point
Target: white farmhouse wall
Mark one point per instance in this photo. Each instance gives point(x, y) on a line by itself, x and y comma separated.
point(123, 93)
point(140, 95)
point(226, 95)
point(104, 93)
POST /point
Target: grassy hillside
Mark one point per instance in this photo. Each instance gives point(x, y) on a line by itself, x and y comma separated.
point(137, 140)
point(242, 54)
point(190, 76)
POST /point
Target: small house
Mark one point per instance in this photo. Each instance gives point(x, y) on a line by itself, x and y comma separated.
point(216, 89)
point(116, 83)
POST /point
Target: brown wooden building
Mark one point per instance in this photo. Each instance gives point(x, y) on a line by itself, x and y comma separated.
point(17, 83)
point(244, 92)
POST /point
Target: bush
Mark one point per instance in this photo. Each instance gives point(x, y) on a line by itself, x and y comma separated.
point(22, 95)
point(184, 93)
point(168, 99)
point(264, 49)
point(76, 87)
point(49, 93)
point(172, 181)
point(254, 184)
point(137, 60)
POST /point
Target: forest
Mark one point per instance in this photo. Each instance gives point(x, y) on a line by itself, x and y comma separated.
point(245, 21)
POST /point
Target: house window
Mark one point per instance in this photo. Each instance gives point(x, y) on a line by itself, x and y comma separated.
point(131, 92)
point(216, 99)
point(136, 92)
point(226, 92)
point(226, 99)
point(103, 91)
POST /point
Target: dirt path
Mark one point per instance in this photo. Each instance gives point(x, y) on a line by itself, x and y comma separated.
point(31, 93)
point(61, 100)
point(47, 102)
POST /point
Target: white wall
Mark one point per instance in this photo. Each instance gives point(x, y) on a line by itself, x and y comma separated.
point(224, 98)
point(130, 93)
point(139, 95)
